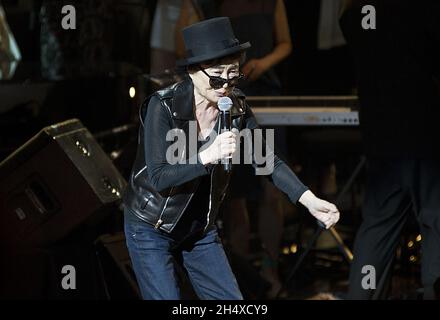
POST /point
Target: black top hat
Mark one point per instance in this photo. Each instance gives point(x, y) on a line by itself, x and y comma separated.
point(210, 39)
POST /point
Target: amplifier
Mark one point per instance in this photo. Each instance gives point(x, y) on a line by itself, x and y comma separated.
point(53, 183)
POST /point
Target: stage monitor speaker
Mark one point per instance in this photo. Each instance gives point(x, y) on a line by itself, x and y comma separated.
point(58, 180)
point(116, 270)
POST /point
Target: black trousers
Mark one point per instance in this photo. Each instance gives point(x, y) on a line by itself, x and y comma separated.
point(392, 185)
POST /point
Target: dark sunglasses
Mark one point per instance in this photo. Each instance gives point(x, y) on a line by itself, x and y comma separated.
point(219, 82)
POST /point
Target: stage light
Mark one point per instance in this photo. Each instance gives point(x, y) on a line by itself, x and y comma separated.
point(286, 250)
point(132, 92)
point(294, 248)
point(419, 238)
point(410, 244)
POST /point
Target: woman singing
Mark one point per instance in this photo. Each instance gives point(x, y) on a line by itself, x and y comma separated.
point(170, 208)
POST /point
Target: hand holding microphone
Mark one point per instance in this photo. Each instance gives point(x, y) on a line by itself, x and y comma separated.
point(225, 145)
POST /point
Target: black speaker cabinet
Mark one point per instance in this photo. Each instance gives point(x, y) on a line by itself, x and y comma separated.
point(116, 270)
point(58, 180)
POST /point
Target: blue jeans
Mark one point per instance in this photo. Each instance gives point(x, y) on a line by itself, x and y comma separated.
point(154, 264)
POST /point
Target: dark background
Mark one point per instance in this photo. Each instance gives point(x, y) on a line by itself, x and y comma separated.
point(89, 78)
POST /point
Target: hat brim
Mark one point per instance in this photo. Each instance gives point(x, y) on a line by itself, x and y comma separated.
point(216, 55)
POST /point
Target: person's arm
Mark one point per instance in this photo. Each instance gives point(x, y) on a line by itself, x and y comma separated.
point(283, 47)
point(164, 175)
point(187, 16)
point(287, 181)
point(282, 176)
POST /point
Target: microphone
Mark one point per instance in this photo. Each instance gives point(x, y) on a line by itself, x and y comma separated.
point(225, 105)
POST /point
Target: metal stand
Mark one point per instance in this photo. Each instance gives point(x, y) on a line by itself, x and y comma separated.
point(346, 252)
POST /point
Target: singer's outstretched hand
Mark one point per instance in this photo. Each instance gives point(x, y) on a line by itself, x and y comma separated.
point(322, 210)
point(223, 147)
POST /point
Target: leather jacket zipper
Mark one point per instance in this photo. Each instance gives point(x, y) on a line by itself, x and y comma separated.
point(210, 189)
point(140, 171)
point(210, 201)
point(187, 203)
point(160, 221)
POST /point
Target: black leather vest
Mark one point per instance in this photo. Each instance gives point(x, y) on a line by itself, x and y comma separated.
point(164, 209)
